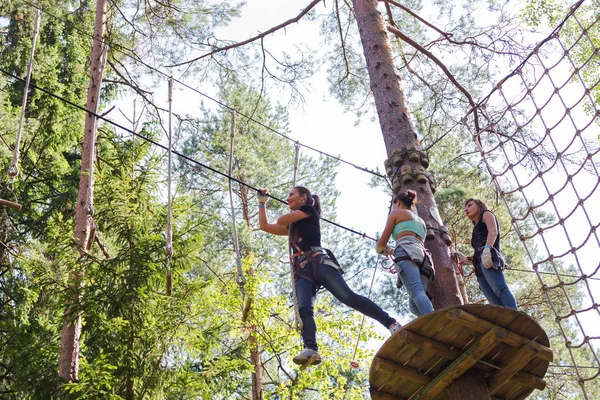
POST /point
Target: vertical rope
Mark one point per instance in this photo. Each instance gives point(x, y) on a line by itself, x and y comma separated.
point(353, 362)
point(13, 169)
point(241, 280)
point(169, 232)
point(294, 297)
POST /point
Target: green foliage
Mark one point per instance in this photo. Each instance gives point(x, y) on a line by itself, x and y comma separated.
point(263, 159)
point(538, 12)
point(37, 238)
point(137, 343)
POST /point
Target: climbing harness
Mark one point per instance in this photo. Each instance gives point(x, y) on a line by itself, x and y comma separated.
point(169, 231)
point(241, 280)
point(301, 259)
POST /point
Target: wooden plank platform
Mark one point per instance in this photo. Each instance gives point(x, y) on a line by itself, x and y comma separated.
point(427, 355)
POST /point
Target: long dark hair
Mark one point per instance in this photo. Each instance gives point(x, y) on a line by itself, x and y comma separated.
point(407, 197)
point(311, 199)
point(482, 205)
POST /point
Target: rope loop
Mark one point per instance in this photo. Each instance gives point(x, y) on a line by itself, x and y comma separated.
point(461, 269)
point(391, 267)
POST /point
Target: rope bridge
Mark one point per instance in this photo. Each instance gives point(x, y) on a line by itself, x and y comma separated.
point(539, 142)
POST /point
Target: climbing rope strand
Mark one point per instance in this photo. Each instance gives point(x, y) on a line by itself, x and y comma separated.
point(516, 70)
point(297, 317)
point(556, 99)
point(241, 280)
point(13, 169)
point(363, 317)
point(130, 54)
point(547, 246)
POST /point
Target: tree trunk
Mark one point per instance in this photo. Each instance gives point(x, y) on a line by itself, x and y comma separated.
point(71, 331)
point(255, 358)
point(255, 348)
point(399, 137)
point(399, 133)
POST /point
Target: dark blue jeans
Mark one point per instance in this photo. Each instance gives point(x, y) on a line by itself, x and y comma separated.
point(494, 287)
point(332, 280)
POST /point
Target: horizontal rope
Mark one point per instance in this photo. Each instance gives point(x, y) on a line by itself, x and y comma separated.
point(183, 156)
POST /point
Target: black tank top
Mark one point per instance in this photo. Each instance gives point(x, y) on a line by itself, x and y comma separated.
point(307, 232)
point(480, 233)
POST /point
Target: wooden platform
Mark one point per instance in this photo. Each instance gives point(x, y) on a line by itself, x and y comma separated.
point(418, 362)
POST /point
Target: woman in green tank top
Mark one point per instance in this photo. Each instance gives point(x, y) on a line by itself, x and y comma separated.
point(414, 268)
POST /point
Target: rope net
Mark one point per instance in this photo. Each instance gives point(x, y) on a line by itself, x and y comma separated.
point(538, 138)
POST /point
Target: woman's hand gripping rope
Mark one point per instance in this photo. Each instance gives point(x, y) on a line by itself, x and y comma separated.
point(262, 196)
point(388, 252)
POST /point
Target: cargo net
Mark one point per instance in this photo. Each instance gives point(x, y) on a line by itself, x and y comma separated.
point(538, 133)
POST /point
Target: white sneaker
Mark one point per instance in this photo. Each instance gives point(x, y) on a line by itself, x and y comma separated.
point(395, 327)
point(309, 356)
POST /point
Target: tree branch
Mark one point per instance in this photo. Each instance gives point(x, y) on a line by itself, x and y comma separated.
point(342, 42)
point(436, 60)
point(440, 64)
point(409, 11)
point(255, 38)
point(448, 36)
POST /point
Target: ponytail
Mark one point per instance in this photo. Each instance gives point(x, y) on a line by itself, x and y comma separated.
point(407, 197)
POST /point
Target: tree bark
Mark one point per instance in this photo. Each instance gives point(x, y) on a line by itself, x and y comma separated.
point(399, 136)
point(71, 331)
point(399, 133)
point(255, 358)
point(255, 348)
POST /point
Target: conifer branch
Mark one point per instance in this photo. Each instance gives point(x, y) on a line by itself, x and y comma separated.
point(254, 38)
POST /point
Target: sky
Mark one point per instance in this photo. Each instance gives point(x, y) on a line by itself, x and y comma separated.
point(321, 122)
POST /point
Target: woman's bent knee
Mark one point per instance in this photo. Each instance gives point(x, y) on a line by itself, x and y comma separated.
point(306, 311)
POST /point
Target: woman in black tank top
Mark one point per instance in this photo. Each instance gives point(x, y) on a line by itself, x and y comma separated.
point(314, 267)
point(487, 259)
